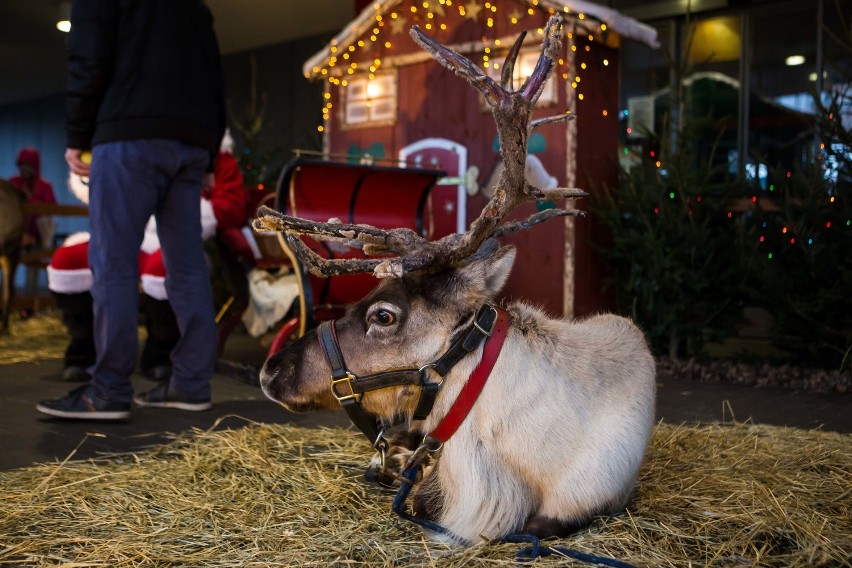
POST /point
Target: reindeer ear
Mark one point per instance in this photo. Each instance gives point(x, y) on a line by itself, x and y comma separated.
point(498, 269)
point(488, 273)
point(477, 281)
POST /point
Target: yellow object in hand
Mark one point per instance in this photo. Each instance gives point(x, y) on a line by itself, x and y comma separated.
point(86, 157)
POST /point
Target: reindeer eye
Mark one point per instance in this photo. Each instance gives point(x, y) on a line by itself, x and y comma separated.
point(382, 317)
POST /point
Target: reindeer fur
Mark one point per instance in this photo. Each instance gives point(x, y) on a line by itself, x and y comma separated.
point(559, 431)
point(11, 232)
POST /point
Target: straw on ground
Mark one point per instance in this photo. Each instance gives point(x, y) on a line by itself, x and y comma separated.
point(721, 495)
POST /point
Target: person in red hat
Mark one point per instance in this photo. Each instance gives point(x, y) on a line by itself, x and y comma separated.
point(35, 189)
point(38, 229)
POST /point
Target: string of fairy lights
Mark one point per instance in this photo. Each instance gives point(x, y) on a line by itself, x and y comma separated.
point(376, 41)
point(812, 229)
point(786, 232)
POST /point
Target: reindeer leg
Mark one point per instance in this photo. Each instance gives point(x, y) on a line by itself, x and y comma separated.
point(546, 527)
point(5, 296)
point(428, 501)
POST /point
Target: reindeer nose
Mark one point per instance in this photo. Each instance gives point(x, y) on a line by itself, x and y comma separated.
point(267, 375)
point(276, 370)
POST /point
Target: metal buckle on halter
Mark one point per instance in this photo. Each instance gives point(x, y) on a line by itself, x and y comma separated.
point(488, 332)
point(384, 477)
point(348, 380)
point(382, 446)
point(428, 444)
point(432, 366)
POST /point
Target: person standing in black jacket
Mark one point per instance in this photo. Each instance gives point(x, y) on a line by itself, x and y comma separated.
point(145, 95)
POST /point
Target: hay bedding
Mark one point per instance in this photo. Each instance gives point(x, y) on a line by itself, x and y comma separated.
point(38, 338)
point(725, 495)
point(33, 339)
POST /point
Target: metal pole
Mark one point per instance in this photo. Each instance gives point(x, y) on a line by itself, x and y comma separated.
point(745, 89)
point(820, 68)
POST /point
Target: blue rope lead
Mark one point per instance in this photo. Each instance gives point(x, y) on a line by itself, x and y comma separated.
point(398, 505)
point(536, 550)
point(524, 554)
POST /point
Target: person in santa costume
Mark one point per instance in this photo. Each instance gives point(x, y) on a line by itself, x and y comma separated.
point(70, 279)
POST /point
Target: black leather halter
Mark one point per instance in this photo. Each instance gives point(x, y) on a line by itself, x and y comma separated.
point(349, 388)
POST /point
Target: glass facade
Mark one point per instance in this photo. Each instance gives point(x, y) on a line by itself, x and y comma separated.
point(745, 73)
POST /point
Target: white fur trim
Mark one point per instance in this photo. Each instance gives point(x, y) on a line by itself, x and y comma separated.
point(151, 242)
point(79, 187)
point(252, 242)
point(76, 239)
point(154, 286)
point(69, 281)
point(208, 219)
point(227, 145)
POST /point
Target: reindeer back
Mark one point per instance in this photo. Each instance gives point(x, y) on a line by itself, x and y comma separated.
point(11, 218)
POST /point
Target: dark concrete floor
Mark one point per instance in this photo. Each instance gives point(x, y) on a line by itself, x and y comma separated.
point(28, 437)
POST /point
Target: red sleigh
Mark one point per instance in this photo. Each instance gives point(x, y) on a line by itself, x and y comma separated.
point(316, 189)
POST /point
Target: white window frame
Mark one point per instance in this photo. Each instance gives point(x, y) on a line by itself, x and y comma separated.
point(370, 102)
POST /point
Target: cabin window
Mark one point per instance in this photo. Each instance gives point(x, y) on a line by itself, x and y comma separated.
point(370, 102)
point(524, 66)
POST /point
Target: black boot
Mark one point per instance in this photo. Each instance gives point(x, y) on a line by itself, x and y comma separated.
point(79, 321)
point(163, 335)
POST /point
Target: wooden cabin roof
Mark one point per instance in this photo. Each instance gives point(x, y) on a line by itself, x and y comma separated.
point(612, 20)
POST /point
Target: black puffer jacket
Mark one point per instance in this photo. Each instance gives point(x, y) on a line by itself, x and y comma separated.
point(143, 69)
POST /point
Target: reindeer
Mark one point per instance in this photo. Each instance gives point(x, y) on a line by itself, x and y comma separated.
point(11, 232)
point(556, 433)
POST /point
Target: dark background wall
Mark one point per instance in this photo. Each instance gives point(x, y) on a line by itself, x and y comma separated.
point(293, 105)
point(38, 123)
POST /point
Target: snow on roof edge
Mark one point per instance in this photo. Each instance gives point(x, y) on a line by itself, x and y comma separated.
point(624, 26)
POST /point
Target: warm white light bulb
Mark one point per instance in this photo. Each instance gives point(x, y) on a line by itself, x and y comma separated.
point(63, 26)
point(794, 60)
point(374, 89)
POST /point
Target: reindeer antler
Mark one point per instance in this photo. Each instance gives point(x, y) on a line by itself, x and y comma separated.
point(512, 111)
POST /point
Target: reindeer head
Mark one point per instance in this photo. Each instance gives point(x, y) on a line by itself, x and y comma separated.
point(431, 289)
point(404, 323)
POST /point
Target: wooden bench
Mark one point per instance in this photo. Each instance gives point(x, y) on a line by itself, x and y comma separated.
point(38, 259)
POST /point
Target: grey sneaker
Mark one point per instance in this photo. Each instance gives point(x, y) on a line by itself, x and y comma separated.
point(165, 397)
point(83, 404)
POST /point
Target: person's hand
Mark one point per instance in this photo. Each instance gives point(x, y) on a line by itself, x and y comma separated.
point(75, 160)
point(209, 181)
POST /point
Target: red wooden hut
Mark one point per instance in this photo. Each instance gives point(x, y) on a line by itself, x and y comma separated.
point(387, 99)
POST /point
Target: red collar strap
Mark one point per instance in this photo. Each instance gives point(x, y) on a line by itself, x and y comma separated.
point(470, 392)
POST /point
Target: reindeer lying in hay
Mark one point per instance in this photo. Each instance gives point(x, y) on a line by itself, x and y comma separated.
point(555, 434)
point(11, 232)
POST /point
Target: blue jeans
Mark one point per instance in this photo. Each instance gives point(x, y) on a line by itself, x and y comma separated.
point(129, 182)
